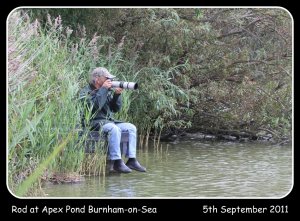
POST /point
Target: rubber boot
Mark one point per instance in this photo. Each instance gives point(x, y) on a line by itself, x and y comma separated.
point(133, 164)
point(120, 167)
point(110, 166)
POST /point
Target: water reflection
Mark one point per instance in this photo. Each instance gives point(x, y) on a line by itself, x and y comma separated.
point(193, 169)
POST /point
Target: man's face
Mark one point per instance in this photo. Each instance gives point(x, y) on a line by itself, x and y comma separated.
point(100, 80)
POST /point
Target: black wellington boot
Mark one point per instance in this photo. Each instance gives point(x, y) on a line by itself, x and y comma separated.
point(133, 164)
point(110, 166)
point(119, 166)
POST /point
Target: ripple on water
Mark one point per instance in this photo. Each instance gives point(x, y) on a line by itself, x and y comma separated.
point(194, 169)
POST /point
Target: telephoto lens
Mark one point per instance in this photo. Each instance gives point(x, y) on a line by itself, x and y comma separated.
point(125, 85)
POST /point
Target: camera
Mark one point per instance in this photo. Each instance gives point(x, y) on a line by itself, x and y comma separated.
point(125, 85)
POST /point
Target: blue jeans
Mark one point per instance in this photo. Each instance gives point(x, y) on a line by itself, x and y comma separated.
point(114, 137)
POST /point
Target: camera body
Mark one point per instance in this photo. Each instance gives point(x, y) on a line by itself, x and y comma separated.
point(125, 85)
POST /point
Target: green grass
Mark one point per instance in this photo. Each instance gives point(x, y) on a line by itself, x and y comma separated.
point(29, 181)
point(47, 67)
point(45, 75)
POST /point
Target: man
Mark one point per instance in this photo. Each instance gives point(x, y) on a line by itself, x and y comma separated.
point(104, 102)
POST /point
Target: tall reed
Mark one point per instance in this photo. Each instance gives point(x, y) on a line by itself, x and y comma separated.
point(47, 66)
point(46, 70)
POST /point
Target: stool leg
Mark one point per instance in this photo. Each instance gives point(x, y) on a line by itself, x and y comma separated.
point(121, 147)
point(124, 148)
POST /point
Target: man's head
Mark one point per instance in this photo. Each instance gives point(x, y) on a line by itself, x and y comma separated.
point(99, 76)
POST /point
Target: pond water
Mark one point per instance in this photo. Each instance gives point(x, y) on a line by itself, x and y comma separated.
point(195, 169)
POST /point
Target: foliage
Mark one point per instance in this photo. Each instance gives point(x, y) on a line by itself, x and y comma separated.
point(224, 68)
point(233, 65)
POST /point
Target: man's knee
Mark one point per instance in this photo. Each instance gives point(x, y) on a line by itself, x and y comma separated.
point(111, 127)
point(132, 127)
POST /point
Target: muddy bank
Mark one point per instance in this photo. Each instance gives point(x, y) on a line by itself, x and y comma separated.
point(223, 135)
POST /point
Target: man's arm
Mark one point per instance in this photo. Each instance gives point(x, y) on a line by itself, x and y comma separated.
point(116, 103)
point(98, 98)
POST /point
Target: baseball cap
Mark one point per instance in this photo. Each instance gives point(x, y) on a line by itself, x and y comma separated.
point(102, 72)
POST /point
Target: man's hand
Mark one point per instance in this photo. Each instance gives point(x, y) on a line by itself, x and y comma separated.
point(118, 90)
point(107, 84)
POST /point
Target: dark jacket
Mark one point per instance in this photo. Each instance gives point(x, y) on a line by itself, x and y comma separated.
point(103, 104)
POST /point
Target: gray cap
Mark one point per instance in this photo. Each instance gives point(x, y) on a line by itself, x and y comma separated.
point(102, 72)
